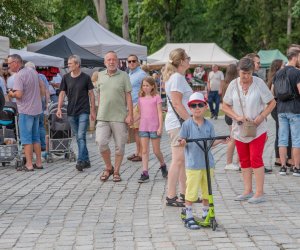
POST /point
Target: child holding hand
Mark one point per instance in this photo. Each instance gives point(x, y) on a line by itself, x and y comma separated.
point(151, 124)
point(193, 128)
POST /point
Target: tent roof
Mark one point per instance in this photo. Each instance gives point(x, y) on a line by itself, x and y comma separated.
point(92, 36)
point(268, 56)
point(64, 47)
point(39, 59)
point(4, 47)
point(200, 53)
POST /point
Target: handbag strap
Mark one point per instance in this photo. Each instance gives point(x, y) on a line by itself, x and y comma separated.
point(238, 91)
point(178, 117)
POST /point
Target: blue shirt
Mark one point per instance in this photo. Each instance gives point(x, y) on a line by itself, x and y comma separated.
point(2, 86)
point(136, 77)
point(194, 156)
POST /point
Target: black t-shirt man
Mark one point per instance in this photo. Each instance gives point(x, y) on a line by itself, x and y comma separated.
point(291, 106)
point(76, 89)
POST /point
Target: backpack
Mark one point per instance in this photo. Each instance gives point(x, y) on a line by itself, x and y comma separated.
point(283, 88)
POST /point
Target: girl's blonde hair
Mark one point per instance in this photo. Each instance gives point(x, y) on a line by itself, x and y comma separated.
point(176, 56)
point(151, 81)
point(94, 77)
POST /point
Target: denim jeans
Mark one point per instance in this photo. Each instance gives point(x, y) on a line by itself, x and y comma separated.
point(214, 97)
point(42, 132)
point(289, 122)
point(79, 124)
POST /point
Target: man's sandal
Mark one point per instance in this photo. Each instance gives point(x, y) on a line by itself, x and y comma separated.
point(174, 202)
point(191, 224)
point(116, 177)
point(106, 174)
point(131, 157)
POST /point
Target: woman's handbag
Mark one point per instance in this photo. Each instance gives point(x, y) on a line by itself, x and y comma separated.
point(177, 115)
point(248, 127)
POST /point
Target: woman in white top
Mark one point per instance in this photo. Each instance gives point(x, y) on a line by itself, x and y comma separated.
point(178, 92)
point(249, 98)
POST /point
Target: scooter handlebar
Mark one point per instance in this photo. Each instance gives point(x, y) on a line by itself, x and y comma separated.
point(223, 137)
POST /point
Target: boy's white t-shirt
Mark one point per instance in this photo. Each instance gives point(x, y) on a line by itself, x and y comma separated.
point(253, 102)
point(178, 83)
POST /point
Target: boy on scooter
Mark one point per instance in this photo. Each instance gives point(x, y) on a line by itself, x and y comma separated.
point(196, 127)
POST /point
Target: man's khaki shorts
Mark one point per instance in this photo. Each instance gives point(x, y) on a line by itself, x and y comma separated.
point(104, 131)
point(135, 116)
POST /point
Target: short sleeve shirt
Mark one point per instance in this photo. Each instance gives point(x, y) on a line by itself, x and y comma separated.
point(136, 77)
point(149, 114)
point(253, 102)
point(27, 81)
point(215, 79)
point(77, 89)
point(112, 90)
point(194, 156)
point(292, 106)
point(178, 83)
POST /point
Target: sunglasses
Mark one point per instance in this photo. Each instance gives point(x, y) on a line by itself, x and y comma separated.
point(187, 58)
point(199, 105)
point(132, 61)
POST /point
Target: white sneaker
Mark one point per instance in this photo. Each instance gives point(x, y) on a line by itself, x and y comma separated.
point(232, 166)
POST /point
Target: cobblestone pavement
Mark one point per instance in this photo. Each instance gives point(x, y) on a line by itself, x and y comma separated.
point(61, 208)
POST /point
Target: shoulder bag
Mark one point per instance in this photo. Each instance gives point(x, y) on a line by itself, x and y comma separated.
point(177, 115)
point(248, 127)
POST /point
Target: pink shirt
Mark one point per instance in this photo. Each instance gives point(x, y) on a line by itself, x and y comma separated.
point(149, 116)
point(27, 81)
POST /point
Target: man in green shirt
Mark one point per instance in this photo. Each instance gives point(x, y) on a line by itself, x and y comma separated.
point(114, 114)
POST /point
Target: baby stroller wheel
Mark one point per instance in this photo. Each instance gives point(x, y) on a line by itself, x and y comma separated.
point(18, 164)
point(213, 224)
point(49, 158)
point(3, 164)
point(72, 157)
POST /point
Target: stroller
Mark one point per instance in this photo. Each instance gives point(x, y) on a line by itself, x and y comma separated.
point(10, 147)
point(59, 134)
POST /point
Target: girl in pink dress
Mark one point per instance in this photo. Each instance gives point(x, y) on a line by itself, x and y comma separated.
point(151, 124)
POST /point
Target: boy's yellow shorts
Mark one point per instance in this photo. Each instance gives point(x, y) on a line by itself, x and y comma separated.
point(196, 179)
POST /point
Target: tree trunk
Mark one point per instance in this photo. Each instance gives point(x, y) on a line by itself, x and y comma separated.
point(168, 31)
point(125, 27)
point(289, 19)
point(101, 12)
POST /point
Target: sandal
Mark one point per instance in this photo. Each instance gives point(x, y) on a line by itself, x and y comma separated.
point(182, 198)
point(37, 167)
point(191, 224)
point(173, 202)
point(136, 159)
point(24, 168)
point(106, 174)
point(131, 157)
point(116, 177)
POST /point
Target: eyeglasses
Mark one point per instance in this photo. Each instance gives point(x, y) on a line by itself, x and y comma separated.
point(187, 58)
point(199, 105)
point(10, 62)
point(132, 61)
point(258, 63)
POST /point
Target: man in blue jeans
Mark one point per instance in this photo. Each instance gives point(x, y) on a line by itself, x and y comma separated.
point(214, 88)
point(289, 112)
point(81, 103)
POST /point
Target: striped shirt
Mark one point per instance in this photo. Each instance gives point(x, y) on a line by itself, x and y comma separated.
point(27, 81)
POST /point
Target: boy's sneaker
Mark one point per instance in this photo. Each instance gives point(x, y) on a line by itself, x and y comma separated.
point(144, 178)
point(291, 170)
point(283, 170)
point(164, 171)
point(232, 166)
point(296, 172)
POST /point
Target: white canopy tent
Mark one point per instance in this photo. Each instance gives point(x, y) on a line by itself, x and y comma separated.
point(39, 59)
point(92, 36)
point(4, 47)
point(200, 53)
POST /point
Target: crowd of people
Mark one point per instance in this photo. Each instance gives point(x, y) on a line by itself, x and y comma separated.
point(118, 100)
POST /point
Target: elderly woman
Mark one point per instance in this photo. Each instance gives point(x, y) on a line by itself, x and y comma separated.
point(248, 98)
point(178, 92)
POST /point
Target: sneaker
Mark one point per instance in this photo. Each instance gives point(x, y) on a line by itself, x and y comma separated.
point(244, 197)
point(80, 166)
point(291, 169)
point(164, 171)
point(268, 170)
point(216, 117)
point(296, 172)
point(212, 116)
point(256, 200)
point(86, 164)
point(232, 166)
point(144, 178)
point(283, 170)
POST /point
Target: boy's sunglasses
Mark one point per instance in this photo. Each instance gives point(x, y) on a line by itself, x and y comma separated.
point(199, 105)
point(132, 61)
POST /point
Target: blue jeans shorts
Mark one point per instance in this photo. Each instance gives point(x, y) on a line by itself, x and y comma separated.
point(289, 122)
point(29, 129)
point(151, 135)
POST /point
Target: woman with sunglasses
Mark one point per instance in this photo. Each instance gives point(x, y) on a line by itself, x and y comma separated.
point(178, 93)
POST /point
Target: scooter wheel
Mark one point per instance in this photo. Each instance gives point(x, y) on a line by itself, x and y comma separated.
point(213, 224)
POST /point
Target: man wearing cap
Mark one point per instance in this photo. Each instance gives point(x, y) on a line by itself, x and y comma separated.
point(214, 89)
